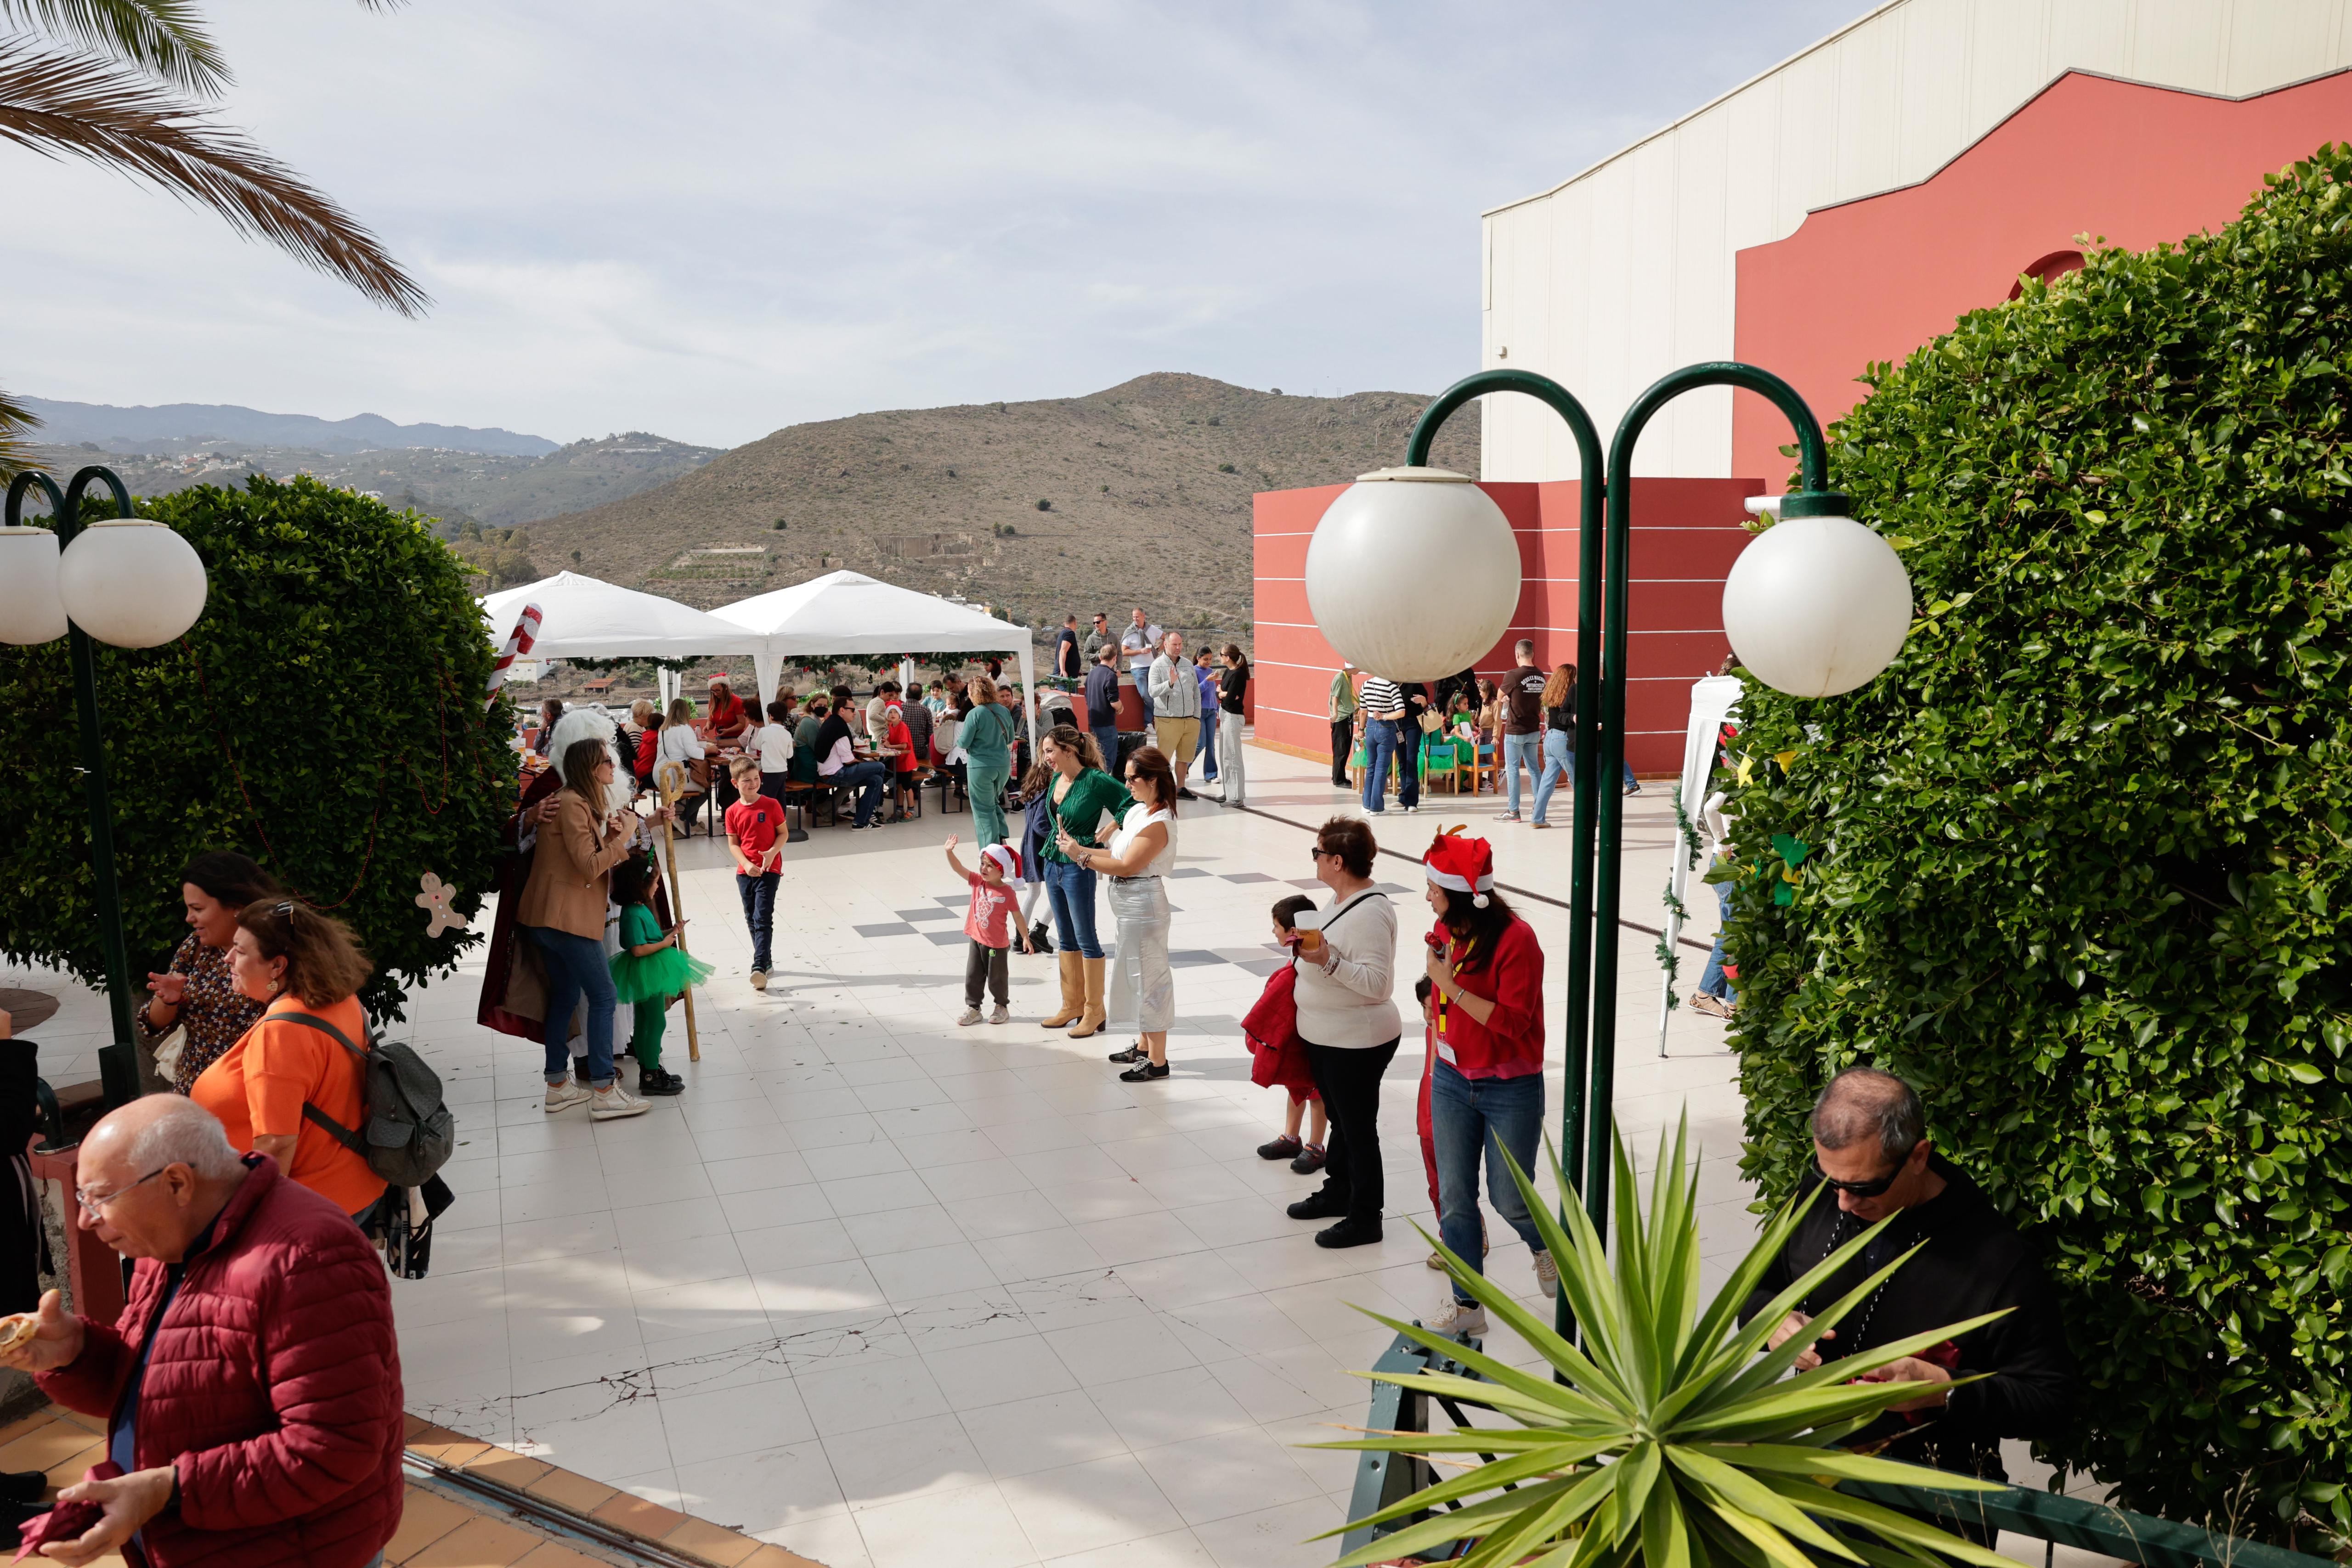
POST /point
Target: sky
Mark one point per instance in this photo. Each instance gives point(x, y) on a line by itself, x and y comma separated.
point(712, 218)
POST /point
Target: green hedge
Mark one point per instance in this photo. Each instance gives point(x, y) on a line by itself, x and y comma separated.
point(325, 715)
point(2081, 860)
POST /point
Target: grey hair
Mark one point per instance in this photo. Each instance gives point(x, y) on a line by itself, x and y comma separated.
point(184, 1133)
point(1525, 647)
point(1862, 1103)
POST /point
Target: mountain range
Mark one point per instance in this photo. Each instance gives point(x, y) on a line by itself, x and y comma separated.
point(143, 429)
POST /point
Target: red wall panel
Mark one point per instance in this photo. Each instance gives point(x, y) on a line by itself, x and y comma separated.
point(1686, 534)
point(2139, 165)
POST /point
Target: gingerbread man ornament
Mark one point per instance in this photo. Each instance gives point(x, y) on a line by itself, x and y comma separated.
point(435, 900)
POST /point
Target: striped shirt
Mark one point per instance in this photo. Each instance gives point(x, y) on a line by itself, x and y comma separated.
point(1380, 698)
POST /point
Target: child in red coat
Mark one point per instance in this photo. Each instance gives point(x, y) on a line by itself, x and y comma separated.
point(1272, 1028)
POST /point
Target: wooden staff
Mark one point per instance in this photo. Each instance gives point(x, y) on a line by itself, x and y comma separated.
point(670, 776)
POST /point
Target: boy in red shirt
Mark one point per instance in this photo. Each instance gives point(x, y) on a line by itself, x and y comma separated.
point(989, 925)
point(755, 834)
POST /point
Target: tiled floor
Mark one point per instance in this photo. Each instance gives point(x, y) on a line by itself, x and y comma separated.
point(880, 1289)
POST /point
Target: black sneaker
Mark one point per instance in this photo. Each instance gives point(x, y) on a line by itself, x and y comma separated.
point(1316, 1205)
point(1282, 1148)
point(1143, 1072)
point(653, 1081)
point(1349, 1233)
point(1310, 1160)
point(1132, 1053)
point(1186, 795)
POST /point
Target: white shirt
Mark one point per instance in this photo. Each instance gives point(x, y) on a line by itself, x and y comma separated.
point(774, 744)
point(1142, 644)
point(678, 743)
point(1352, 1005)
point(1139, 817)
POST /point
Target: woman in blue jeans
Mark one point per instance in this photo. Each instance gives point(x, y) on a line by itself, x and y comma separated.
point(1088, 803)
point(1558, 738)
point(1485, 1091)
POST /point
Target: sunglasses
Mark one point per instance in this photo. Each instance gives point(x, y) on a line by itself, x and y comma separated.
point(1873, 1188)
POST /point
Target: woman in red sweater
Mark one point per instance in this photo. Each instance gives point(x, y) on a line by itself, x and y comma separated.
point(1486, 1088)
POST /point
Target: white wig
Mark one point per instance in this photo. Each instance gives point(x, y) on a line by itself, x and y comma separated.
point(580, 723)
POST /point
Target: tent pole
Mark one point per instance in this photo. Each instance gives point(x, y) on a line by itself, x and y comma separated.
point(670, 776)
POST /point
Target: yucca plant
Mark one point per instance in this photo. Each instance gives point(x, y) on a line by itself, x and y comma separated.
point(1668, 1439)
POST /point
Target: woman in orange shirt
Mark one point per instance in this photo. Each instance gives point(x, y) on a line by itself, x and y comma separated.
point(300, 963)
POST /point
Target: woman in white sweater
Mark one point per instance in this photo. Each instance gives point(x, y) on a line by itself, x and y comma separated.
point(1351, 1026)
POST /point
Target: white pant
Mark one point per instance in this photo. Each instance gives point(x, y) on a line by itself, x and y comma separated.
point(1142, 987)
point(1229, 756)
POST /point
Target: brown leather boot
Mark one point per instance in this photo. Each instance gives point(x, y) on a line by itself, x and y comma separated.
point(1092, 1022)
point(1074, 993)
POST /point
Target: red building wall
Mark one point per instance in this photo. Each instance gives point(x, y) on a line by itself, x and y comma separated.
point(1873, 280)
point(1686, 533)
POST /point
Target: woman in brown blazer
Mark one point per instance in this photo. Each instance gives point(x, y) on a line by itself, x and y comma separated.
point(562, 910)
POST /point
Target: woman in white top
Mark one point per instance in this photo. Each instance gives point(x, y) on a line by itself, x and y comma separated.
point(680, 745)
point(1351, 1026)
point(1135, 860)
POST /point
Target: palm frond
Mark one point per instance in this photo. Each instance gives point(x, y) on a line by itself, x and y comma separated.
point(16, 424)
point(1678, 1439)
point(163, 37)
point(76, 105)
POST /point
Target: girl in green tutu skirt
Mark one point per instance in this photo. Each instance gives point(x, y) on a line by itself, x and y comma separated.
point(650, 971)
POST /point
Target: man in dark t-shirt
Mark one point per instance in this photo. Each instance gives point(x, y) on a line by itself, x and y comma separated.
point(1523, 723)
point(1066, 649)
point(1102, 703)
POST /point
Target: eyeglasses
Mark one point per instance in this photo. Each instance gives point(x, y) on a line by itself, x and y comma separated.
point(1873, 1189)
point(94, 1206)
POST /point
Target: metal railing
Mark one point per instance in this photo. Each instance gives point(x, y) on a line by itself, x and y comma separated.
point(1383, 1479)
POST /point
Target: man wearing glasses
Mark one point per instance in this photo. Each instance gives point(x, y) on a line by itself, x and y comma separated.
point(251, 1387)
point(1870, 1150)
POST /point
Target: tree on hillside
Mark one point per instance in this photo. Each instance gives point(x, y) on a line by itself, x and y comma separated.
point(120, 83)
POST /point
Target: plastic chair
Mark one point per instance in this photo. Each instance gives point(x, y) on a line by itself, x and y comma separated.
point(1440, 764)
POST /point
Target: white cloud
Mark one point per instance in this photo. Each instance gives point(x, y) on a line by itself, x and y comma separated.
point(713, 219)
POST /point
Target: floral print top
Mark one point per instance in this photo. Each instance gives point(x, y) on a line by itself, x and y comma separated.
point(214, 1011)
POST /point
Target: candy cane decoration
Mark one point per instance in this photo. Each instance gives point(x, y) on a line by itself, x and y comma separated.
point(518, 645)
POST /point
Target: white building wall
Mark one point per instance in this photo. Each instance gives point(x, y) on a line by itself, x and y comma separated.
point(1623, 273)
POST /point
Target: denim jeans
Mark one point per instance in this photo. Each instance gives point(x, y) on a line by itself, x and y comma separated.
point(1106, 739)
point(1143, 693)
point(867, 778)
point(1475, 1116)
point(1558, 763)
point(577, 967)
point(1713, 981)
point(1071, 891)
point(1379, 754)
point(758, 896)
point(1521, 751)
point(1204, 754)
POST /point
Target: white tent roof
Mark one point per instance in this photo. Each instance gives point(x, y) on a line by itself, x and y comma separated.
point(850, 613)
point(585, 619)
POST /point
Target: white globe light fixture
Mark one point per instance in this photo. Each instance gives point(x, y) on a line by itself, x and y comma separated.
point(1413, 573)
point(132, 583)
point(1817, 604)
point(31, 608)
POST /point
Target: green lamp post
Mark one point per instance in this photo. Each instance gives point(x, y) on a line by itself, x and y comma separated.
point(1816, 605)
point(129, 582)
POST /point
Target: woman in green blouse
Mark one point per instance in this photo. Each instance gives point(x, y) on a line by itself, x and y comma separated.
point(1088, 803)
point(987, 741)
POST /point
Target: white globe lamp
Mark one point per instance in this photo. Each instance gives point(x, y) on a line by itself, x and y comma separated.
point(1817, 604)
point(132, 583)
point(1413, 573)
point(31, 608)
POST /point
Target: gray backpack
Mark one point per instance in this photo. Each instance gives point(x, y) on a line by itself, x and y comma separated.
point(410, 1132)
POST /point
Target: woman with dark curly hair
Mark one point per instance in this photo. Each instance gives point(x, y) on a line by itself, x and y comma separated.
point(196, 992)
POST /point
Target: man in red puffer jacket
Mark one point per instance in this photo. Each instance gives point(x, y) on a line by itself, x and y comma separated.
point(252, 1387)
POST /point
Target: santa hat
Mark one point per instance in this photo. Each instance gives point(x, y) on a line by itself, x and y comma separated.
point(1461, 864)
point(1007, 859)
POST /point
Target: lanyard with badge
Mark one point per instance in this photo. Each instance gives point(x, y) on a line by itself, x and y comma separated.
point(1455, 961)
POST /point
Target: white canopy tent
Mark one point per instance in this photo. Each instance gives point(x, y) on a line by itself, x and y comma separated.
point(850, 613)
point(586, 619)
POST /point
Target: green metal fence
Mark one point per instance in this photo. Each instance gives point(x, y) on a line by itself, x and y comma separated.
point(1385, 1478)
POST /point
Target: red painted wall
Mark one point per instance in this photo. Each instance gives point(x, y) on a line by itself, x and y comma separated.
point(1874, 278)
point(1686, 533)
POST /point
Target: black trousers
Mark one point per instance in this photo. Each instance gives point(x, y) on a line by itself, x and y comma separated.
point(985, 965)
point(1343, 747)
point(1350, 1082)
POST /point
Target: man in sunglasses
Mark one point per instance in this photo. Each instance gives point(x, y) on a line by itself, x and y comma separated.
point(1870, 1151)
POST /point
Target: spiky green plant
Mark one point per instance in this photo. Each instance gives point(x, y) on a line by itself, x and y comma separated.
point(1669, 1437)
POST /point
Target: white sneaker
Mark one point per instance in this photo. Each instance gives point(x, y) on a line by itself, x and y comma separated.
point(564, 1095)
point(1457, 1321)
point(969, 1016)
point(610, 1104)
point(1001, 1015)
point(759, 979)
point(1547, 1274)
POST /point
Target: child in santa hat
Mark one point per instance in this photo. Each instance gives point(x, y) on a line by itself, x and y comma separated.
point(1486, 975)
point(990, 922)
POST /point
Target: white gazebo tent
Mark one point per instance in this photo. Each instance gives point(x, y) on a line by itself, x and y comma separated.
point(848, 613)
point(588, 618)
